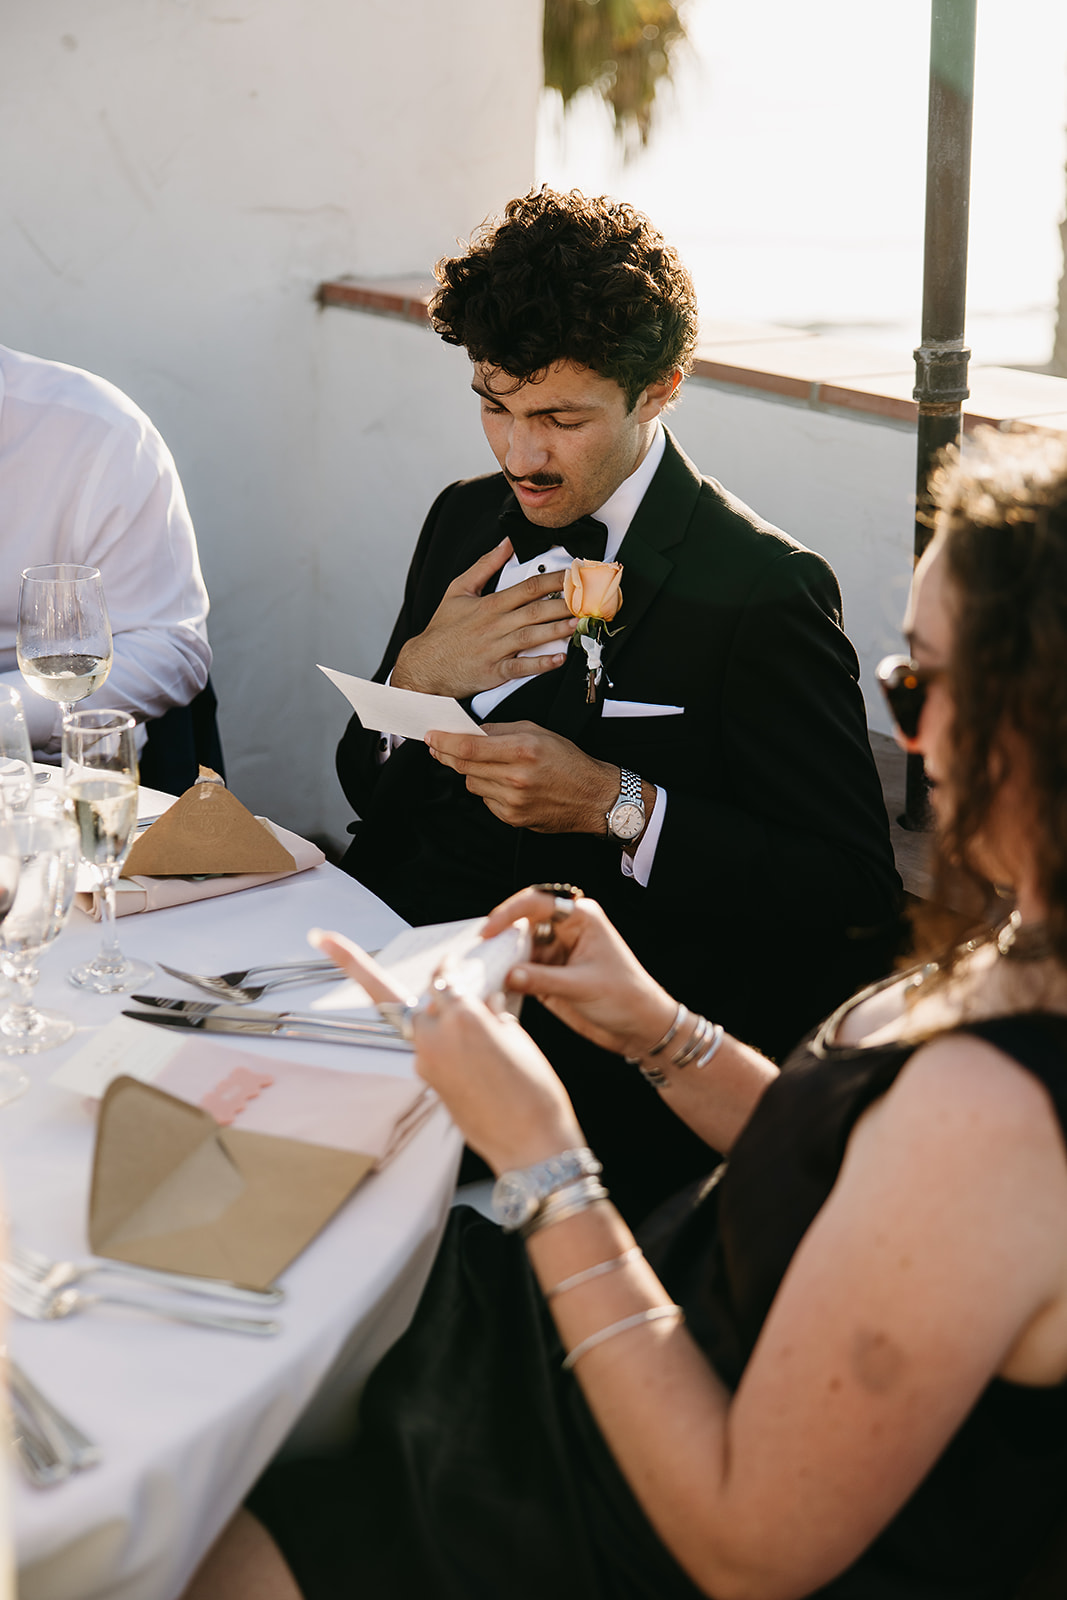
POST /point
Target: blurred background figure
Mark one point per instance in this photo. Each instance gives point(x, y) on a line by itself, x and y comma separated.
point(86, 479)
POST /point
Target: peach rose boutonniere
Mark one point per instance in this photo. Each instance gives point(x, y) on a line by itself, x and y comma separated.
point(592, 593)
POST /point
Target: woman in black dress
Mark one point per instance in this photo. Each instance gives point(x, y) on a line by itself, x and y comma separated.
point(838, 1369)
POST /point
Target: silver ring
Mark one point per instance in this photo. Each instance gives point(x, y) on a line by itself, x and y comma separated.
point(401, 1014)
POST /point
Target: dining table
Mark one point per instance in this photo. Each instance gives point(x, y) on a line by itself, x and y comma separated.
point(187, 1417)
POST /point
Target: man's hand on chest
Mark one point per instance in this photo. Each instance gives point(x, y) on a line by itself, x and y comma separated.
point(473, 641)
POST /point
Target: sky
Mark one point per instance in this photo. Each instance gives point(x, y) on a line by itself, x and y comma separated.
point(788, 166)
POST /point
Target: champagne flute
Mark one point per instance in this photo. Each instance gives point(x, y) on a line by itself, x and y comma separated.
point(47, 853)
point(64, 643)
point(100, 782)
point(16, 757)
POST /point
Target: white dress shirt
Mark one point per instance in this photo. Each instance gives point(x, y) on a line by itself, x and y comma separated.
point(616, 514)
point(85, 478)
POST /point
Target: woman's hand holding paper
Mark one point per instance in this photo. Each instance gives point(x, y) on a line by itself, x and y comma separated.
point(587, 976)
point(501, 1092)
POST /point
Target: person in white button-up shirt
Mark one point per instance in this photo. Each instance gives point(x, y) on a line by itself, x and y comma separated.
point(86, 478)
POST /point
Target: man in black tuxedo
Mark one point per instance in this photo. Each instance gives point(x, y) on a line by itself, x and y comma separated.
point(718, 796)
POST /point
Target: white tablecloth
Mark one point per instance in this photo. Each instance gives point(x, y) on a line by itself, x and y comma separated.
point(188, 1417)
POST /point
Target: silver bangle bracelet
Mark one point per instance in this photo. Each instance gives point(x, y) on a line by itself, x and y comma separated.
point(653, 1314)
point(670, 1033)
point(718, 1034)
point(697, 1040)
point(599, 1271)
point(566, 1202)
point(702, 1046)
point(635, 1061)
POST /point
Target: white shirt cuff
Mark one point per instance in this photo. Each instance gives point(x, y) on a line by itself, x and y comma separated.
point(388, 742)
point(639, 865)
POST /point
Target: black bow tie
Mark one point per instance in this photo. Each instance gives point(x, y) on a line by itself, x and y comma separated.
point(585, 538)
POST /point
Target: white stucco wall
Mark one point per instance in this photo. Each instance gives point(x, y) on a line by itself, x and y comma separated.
point(843, 485)
point(181, 174)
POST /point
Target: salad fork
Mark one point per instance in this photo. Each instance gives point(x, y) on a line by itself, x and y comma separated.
point(41, 1269)
point(232, 986)
point(32, 1299)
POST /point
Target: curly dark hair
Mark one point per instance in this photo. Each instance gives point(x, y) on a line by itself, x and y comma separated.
point(564, 278)
point(1001, 523)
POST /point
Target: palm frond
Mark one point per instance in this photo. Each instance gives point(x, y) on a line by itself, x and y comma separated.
point(621, 48)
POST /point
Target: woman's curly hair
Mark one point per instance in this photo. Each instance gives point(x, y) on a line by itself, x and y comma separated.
point(561, 277)
point(1001, 524)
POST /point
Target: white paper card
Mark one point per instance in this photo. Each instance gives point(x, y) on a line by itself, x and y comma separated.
point(122, 1047)
point(401, 711)
point(476, 966)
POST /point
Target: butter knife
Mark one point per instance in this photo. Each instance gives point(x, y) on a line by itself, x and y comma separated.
point(269, 1024)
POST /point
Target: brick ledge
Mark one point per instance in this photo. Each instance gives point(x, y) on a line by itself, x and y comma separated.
point(785, 363)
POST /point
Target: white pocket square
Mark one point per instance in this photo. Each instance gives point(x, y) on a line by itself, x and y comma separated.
point(638, 708)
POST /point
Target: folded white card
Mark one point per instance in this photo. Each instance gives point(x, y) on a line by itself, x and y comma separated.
point(401, 711)
point(475, 965)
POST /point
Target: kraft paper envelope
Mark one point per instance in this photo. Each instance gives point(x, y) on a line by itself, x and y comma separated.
point(404, 712)
point(172, 1189)
point(207, 830)
point(145, 893)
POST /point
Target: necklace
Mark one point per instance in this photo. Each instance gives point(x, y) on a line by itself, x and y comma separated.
point(1016, 943)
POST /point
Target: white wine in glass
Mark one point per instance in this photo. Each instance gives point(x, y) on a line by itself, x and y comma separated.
point(64, 642)
point(100, 784)
point(16, 757)
point(48, 866)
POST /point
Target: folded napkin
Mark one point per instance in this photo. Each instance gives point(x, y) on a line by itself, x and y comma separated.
point(365, 1112)
point(174, 1188)
point(144, 893)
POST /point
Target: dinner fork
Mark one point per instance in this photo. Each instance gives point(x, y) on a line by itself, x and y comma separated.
point(231, 985)
point(39, 1461)
point(34, 1300)
point(62, 1437)
point(41, 1269)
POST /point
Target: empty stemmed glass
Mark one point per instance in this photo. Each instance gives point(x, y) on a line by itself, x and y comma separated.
point(16, 756)
point(100, 783)
point(64, 633)
point(46, 850)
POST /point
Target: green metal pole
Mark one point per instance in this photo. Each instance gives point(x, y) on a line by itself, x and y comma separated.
point(942, 357)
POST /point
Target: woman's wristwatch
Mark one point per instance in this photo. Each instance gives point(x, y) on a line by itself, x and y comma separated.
point(519, 1196)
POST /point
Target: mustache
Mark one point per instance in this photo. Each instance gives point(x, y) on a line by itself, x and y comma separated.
point(535, 480)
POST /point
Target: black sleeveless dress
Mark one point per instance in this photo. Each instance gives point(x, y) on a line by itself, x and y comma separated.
point(478, 1473)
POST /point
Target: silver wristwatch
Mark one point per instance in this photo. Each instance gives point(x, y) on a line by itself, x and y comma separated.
point(626, 819)
point(518, 1196)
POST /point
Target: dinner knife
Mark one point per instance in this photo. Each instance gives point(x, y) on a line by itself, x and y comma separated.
point(219, 1008)
point(274, 1025)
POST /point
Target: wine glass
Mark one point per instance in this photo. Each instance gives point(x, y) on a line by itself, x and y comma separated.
point(12, 1081)
point(64, 634)
point(16, 757)
point(100, 782)
point(47, 855)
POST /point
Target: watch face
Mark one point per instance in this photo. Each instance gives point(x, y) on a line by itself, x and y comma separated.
point(627, 820)
point(514, 1201)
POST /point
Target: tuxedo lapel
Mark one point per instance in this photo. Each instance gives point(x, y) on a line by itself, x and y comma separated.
point(660, 522)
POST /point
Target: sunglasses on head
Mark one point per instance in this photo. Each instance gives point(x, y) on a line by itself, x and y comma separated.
point(904, 684)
